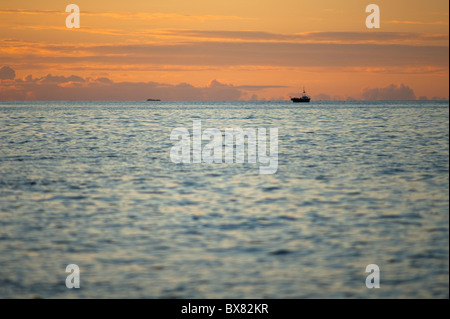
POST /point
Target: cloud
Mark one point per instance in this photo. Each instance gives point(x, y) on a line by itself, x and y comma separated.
point(192, 35)
point(390, 92)
point(60, 79)
point(259, 87)
point(6, 73)
point(220, 54)
point(146, 16)
point(278, 54)
point(381, 37)
point(198, 50)
point(22, 11)
point(51, 87)
point(419, 22)
point(322, 97)
point(219, 91)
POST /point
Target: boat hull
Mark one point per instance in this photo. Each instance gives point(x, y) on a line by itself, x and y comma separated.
point(300, 100)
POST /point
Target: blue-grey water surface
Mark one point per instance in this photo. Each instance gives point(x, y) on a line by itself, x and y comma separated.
point(92, 184)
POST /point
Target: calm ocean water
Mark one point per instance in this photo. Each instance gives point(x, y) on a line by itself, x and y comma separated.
point(92, 184)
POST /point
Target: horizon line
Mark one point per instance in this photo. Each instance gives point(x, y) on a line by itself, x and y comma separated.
point(353, 100)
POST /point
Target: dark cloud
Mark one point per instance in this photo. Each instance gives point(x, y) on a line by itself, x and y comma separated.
point(267, 53)
point(226, 53)
point(6, 73)
point(60, 79)
point(73, 87)
point(390, 92)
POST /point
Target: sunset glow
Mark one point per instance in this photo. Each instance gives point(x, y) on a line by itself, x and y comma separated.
point(243, 49)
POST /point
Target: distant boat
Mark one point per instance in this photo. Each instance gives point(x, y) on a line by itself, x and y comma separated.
point(305, 98)
point(153, 100)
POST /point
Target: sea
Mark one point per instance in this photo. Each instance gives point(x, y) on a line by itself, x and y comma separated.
point(358, 206)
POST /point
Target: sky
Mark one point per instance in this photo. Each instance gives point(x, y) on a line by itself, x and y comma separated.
point(223, 50)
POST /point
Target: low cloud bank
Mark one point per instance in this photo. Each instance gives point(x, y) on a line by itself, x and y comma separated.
point(390, 92)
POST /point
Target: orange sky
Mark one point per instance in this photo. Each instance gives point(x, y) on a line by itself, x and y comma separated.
point(264, 49)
